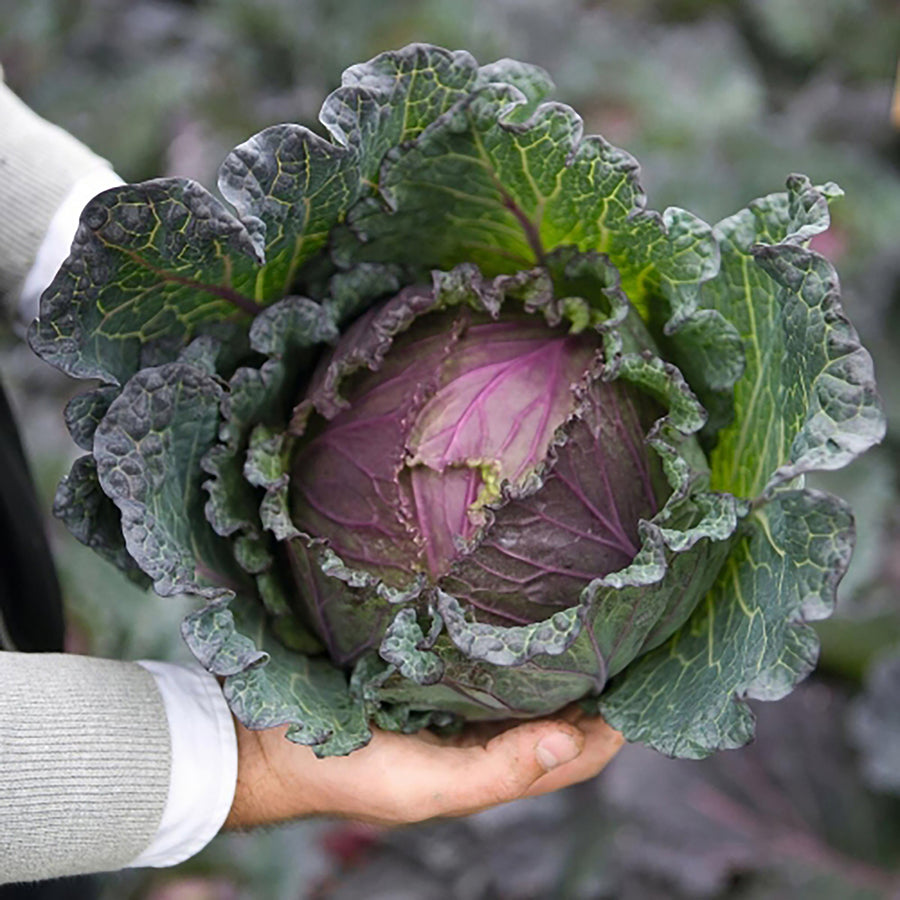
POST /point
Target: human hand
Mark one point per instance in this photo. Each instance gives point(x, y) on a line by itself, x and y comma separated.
point(403, 778)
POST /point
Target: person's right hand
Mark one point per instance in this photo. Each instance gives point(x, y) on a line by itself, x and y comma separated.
point(403, 778)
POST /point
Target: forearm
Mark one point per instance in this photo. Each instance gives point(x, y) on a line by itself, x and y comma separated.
point(84, 764)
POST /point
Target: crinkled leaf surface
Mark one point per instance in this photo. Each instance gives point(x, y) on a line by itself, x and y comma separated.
point(148, 450)
point(747, 637)
point(149, 262)
point(406, 646)
point(299, 186)
point(807, 398)
point(93, 518)
point(84, 412)
point(267, 685)
point(478, 187)
point(288, 333)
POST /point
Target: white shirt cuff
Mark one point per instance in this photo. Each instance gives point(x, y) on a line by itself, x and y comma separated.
point(204, 763)
point(58, 240)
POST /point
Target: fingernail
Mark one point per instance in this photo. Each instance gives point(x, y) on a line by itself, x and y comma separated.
point(556, 749)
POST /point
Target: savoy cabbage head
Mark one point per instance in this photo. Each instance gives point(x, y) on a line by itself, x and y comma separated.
point(441, 423)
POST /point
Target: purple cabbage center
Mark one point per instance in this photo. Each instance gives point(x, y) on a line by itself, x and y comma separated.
point(486, 455)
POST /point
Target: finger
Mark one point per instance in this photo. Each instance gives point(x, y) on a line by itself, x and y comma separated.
point(506, 768)
point(601, 743)
point(479, 733)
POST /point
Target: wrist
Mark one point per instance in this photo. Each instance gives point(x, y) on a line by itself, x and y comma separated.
point(264, 795)
point(251, 762)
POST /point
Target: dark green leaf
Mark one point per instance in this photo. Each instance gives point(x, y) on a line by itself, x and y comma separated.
point(298, 186)
point(807, 398)
point(309, 694)
point(509, 645)
point(93, 518)
point(148, 450)
point(287, 333)
point(405, 646)
point(746, 638)
point(84, 412)
point(149, 261)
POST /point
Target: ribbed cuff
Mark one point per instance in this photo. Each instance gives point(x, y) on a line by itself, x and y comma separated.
point(39, 164)
point(84, 764)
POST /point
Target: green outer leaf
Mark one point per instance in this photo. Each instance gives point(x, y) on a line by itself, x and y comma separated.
point(807, 398)
point(149, 261)
point(840, 414)
point(366, 685)
point(747, 638)
point(148, 449)
point(299, 186)
point(354, 291)
point(252, 554)
point(630, 617)
point(634, 609)
point(481, 691)
point(233, 505)
point(267, 685)
point(509, 645)
point(84, 412)
point(406, 646)
point(274, 511)
point(288, 333)
point(93, 518)
point(390, 100)
point(214, 639)
point(296, 185)
point(490, 185)
point(266, 466)
point(532, 81)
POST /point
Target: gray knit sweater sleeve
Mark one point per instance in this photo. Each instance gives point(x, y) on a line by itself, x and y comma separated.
point(39, 164)
point(84, 764)
point(84, 743)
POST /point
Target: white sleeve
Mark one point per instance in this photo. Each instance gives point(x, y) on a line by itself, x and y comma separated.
point(204, 763)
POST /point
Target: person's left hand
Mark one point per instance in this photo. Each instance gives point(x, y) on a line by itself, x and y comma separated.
point(403, 778)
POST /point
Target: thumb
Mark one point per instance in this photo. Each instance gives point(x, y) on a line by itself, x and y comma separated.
point(510, 764)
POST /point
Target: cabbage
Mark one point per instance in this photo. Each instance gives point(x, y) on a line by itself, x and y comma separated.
point(439, 422)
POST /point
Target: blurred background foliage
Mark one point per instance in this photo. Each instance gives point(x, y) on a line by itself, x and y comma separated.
point(720, 100)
